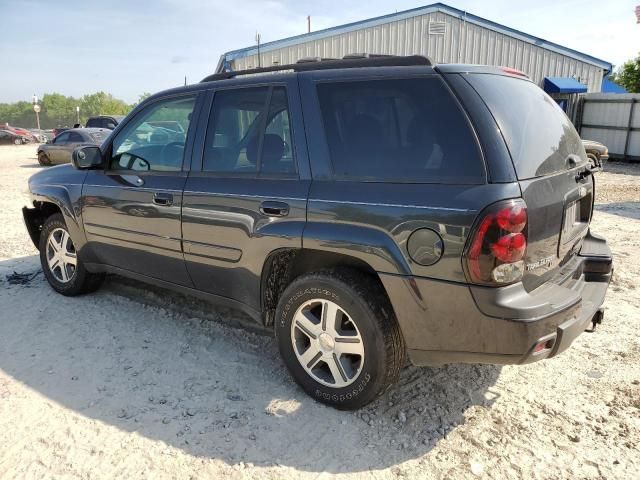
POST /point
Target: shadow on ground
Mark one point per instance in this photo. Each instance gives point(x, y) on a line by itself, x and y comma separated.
point(32, 165)
point(171, 369)
point(622, 209)
point(622, 167)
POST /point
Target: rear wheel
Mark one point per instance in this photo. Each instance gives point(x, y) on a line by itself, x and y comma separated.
point(62, 268)
point(339, 337)
point(43, 159)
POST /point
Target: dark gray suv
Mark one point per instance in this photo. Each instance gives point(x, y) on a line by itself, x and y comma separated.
point(365, 209)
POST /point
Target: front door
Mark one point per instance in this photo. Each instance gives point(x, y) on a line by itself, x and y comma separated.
point(131, 210)
point(246, 196)
point(57, 148)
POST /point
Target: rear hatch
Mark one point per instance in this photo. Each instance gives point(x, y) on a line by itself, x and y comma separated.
point(552, 168)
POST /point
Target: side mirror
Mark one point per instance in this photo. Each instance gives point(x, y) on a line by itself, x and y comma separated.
point(87, 157)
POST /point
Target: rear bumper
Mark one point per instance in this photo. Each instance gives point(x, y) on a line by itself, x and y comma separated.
point(445, 322)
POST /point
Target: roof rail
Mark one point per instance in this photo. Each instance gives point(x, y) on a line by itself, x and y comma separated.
point(349, 61)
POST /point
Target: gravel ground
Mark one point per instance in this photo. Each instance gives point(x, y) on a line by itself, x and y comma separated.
point(133, 381)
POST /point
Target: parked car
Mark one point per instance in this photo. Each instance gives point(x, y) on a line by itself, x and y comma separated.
point(8, 137)
point(59, 130)
point(597, 153)
point(104, 121)
point(410, 213)
point(60, 148)
point(26, 135)
point(40, 135)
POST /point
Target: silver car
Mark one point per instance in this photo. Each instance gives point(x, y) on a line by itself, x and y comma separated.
point(59, 150)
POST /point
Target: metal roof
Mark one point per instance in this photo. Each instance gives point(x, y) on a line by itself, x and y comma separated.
point(436, 7)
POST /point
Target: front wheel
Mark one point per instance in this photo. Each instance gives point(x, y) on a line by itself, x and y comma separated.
point(62, 268)
point(43, 159)
point(17, 141)
point(339, 338)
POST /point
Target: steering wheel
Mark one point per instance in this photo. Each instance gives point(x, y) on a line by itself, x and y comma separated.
point(169, 157)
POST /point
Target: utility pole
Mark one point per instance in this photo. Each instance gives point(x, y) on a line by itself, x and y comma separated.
point(258, 42)
point(308, 23)
point(36, 108)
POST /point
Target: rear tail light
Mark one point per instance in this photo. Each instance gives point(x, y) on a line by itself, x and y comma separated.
point(498, 245)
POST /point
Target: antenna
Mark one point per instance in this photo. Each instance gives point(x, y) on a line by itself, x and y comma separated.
point(308, 23)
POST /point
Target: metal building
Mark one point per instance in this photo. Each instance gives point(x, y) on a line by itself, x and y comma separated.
point(444, 34)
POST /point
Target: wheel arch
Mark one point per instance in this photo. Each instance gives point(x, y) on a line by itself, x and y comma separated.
point(47, 201)
point(283, 266)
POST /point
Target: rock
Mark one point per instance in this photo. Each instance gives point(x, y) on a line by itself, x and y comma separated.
point(252, 437)
point(477, 468)
point(166, 420)
point(234, 397)
point(122, 413)
point(402, 417)
point(191, 412)
point(574, 438)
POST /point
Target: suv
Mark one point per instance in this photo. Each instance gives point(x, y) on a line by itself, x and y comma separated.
point(365, 209)
point(104, 121)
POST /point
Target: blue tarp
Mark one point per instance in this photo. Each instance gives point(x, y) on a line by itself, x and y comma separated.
point(563, 85)
point(610, 87)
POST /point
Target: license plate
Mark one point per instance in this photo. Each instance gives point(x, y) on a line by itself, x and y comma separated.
point(571, 217)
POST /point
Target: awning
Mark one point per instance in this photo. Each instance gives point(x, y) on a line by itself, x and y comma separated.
point(563, 85)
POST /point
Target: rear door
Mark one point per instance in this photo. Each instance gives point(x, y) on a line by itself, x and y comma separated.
point(247, 191)
point(551, 166)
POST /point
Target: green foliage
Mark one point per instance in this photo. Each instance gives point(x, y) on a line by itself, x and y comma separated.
point(59, 111)
point(628, 75)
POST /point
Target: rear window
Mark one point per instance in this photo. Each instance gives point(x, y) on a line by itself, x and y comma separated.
point(98, 137)
point(538, 134)
point(405, 130)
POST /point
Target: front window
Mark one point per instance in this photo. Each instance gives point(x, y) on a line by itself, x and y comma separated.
point(155, 139)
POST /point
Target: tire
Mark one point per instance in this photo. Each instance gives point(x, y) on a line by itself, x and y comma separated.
point(366, 350)
point(593, 159)
point(62, 268)
point(43, 159)
point(17, 141)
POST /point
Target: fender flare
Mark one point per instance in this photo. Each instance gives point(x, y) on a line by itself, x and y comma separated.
point(60, 196)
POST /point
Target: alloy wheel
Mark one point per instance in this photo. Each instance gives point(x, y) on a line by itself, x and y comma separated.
point(327, 343)
point(61, 255)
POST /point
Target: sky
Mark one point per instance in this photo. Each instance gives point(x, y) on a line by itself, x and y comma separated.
point(128, 47)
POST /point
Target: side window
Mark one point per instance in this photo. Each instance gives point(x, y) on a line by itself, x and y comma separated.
point(62, 138)
point(148, 144)
point(75, 137)
point(398, 130)
point(247, 136)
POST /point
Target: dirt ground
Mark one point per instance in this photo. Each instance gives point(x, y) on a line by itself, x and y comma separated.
point(134, 382)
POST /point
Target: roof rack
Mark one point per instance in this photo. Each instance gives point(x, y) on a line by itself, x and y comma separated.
point(348, 61)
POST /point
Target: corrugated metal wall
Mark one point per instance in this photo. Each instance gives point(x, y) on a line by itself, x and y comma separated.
point(463, 42)
point(614, 120)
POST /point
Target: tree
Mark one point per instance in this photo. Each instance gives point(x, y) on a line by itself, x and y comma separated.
point(628, 75)
point(59, 110)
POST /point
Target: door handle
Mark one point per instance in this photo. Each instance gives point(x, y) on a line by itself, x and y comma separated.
point(274, 209)
point(163, 199)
